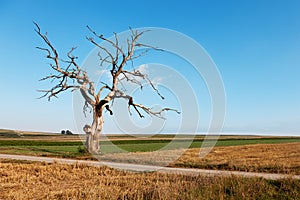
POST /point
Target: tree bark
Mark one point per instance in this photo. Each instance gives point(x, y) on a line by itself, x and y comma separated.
point(93, 134)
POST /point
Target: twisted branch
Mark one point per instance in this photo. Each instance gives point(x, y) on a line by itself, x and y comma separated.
point(72, 77)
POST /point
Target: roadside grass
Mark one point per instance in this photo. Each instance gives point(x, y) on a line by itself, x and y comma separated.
point(13, 161)
point(56, 181)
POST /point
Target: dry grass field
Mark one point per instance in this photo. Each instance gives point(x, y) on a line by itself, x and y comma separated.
point(271, 158)
point(23, 181)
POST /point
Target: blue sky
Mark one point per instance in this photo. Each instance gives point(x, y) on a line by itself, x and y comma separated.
point(255, 45)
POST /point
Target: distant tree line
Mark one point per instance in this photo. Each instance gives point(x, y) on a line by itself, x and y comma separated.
point(67, 132)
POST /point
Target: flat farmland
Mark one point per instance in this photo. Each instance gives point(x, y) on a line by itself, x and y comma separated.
point(241, 153)
point(38, 180)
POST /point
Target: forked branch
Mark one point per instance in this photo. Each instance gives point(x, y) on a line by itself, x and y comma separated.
point(69, 75)
point(148, 110)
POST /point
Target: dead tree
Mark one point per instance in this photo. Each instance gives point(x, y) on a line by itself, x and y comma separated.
point(70, 76)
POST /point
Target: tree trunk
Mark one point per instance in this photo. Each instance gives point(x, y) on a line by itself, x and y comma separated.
point(93, 134)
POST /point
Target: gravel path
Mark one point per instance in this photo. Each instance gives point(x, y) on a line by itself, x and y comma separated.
point(148, 168)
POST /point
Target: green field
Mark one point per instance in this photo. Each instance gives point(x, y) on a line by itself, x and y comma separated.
point(40, 146)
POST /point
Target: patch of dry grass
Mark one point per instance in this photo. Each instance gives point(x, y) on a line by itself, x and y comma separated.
point(56, 181)
point(276, 158)
point(271, 158)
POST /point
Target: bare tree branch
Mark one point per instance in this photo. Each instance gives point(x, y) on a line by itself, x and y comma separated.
point(86, 108)
point(117, 67)
point(148, 110)
point(114, 44)
point(137, 73)
point(101, 47)
point(70, 76)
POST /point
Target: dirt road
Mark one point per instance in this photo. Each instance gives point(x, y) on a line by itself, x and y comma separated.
point(148, 168)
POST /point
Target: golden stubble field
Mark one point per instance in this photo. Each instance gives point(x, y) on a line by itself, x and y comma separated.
point(23, 181)
point(271, 158)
